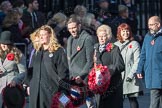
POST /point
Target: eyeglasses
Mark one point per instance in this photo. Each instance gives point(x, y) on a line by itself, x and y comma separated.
point(152, 24)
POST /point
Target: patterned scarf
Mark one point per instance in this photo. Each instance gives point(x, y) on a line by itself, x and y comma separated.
point(102, 48)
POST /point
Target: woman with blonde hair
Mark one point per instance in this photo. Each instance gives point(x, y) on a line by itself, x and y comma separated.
point(34, 37)
point(49, 66)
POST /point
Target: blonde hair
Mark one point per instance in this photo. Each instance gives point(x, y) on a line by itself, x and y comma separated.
point(33, 37)
point(105, 28)
point(53, 44)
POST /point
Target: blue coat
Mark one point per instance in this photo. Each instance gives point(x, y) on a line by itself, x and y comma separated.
point(151, 61)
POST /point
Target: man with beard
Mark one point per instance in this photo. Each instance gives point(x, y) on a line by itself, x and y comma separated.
point(151, 61)
point(79, 52)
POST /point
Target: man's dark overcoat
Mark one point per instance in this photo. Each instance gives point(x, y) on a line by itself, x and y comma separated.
point(81, 60)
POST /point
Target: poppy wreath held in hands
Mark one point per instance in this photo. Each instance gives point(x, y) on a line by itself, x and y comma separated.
point(99, 79)
point(78, 93)
point(75, 95)
point(10, 56)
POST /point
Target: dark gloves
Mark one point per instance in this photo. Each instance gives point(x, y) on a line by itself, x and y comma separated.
point(128, 79)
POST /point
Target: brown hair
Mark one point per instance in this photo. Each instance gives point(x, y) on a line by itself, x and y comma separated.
point(120, 28)
point(11, 49)
point(11, 17)
point(74, 19)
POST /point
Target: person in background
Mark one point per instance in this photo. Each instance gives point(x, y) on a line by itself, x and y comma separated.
point(130, 50)
point(49, 66)
point(5, 6)
point(103, 11)
point(11, 23)
point(108, 54)
point(32, 18)
point(90, 25)
point(80, 11)
point(12, 61)
point(34, 37)
point(132, 7)
point(151, 61)
point(20, 4)
point(58, 23)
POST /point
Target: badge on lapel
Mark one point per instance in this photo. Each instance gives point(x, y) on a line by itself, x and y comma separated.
point(152, 42)
point(50, 55)
point(78, 48)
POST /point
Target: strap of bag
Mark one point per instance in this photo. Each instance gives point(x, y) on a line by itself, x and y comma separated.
point(125, 46)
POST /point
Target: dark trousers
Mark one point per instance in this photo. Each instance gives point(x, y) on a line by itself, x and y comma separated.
point(156, 98)
point(111, 99)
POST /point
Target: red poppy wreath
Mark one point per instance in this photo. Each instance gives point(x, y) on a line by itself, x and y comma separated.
point(99, 79)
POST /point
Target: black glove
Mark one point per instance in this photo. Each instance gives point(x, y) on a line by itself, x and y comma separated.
point(128, 79)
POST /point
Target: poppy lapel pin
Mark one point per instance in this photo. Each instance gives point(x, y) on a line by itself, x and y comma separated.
point(78, 48)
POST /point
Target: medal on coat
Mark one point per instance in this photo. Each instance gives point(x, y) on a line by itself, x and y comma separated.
point(152, 42)
point(50, 55)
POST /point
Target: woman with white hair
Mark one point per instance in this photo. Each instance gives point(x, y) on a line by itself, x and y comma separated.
point(108, 54)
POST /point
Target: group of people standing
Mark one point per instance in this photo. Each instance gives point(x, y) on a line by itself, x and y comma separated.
point(51, 64)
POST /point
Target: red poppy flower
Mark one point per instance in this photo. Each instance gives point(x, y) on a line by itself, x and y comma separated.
point(78, 48)
point(130, 46)
point(10, 56)
point(109, 47)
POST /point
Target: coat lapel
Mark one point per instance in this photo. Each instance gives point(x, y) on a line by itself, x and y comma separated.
point(7, 62)
point(80, 43)
point(69, 47)
point(1, 66)
point(4, 64)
